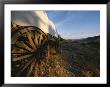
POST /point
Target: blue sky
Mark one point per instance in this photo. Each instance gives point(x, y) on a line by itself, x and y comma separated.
point(76, 24)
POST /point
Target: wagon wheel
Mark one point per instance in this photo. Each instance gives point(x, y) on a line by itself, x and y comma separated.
point(28, 46)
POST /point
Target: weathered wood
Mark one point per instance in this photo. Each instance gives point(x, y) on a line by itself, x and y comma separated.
point(30, 44)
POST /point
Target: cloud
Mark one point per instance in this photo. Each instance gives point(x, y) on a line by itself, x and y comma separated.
point(65, 20)
point(71, 16)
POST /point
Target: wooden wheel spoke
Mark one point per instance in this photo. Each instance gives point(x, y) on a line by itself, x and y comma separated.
point(36, 39)
point(40, 39)
point(22, 51)
point(44, 41)
point(25, 66)
point(23, 48)
point(31, 67)
point(30, 40)
point(19, 54)
point(26, 46)
point(22, 57)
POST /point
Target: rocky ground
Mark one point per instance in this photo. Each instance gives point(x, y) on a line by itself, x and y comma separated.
point(76, 59)
point(82, 57)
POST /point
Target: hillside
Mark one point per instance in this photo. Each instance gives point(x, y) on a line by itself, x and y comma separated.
point(83, 56)
point(77, 59)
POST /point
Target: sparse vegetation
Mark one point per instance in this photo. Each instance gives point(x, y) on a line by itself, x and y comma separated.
point(83, 56)
point(79, 58)
point(52, 66)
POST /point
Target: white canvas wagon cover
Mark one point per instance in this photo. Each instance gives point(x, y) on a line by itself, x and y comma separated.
point(34, 18)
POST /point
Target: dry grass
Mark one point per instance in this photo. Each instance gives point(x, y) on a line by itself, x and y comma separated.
point(51, 66)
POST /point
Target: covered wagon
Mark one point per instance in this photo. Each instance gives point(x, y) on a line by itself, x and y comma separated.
point(31, 34)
